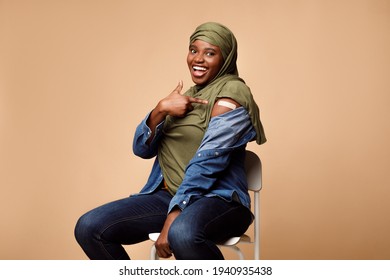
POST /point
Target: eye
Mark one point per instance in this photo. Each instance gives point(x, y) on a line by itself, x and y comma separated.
point(192, 51)
point(210, 53)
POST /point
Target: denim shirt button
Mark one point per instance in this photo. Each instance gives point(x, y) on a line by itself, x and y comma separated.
point(184, 202)
point(199, 155)
point(216, 153)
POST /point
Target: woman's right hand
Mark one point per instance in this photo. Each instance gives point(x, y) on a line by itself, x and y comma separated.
point(176, 104)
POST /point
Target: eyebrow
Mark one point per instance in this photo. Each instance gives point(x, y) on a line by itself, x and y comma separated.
point(206, 49)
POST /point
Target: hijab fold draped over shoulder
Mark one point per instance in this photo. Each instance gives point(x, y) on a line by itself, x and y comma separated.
point(182, 136)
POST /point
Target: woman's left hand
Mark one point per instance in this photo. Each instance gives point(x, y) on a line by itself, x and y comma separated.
point(161, 244)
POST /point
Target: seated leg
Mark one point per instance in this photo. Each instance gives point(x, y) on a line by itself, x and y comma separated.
point(206, 221)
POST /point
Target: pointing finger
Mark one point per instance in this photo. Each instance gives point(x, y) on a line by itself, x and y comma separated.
point(198, 100)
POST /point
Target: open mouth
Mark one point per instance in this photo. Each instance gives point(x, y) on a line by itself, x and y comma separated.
point(198, 71)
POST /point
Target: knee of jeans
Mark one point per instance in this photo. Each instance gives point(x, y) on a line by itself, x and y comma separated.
point(181, 235)
point(85, 228)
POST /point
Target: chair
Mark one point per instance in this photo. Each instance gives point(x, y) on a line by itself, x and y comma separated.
point(254, 177)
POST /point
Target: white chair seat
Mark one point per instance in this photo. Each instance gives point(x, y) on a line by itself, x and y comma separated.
point(154, 236)
point(230, 242)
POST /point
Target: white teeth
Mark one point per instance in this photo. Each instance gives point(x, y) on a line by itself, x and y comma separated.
point(198, 68)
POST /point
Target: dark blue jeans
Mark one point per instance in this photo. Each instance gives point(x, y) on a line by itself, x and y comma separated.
point(102, 231)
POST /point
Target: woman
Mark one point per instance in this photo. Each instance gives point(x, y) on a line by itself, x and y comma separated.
point(196, 194)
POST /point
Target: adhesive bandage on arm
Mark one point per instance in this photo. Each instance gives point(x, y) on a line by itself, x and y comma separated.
point(227, 104)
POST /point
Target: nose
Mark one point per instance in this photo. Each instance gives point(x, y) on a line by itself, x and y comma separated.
point(198, 58)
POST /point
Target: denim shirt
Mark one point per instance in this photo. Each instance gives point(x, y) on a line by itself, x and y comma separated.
point(217, 168)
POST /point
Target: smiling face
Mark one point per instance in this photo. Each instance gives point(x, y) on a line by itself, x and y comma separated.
point(204, 61)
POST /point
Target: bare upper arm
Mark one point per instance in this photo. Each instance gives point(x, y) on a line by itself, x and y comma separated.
point(224, 105)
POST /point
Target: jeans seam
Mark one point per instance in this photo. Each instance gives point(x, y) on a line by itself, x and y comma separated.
point(100, 239)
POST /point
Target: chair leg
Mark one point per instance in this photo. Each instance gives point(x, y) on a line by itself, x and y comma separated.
point(153, 253)
point(237, 251)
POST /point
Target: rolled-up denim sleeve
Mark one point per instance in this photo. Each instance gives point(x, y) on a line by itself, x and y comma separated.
point(142, 134)
point(225, 133)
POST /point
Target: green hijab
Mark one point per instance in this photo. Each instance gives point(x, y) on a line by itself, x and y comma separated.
point(182, 136)
point(219, 35)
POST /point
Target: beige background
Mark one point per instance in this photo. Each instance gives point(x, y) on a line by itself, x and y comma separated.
point(76, 77)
